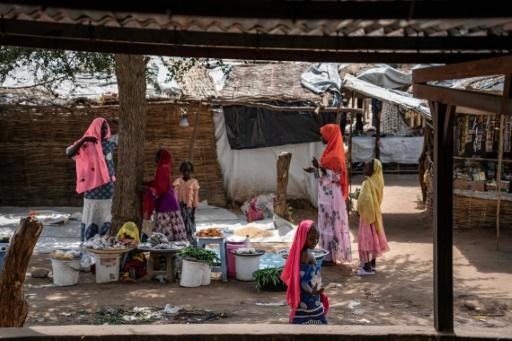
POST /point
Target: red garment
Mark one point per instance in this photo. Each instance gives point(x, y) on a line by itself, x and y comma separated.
point(291, 275)
point(160, 184)
point(333, 157)
point(91, 168)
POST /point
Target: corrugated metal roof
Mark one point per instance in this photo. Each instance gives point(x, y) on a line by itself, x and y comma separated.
point(459, 27)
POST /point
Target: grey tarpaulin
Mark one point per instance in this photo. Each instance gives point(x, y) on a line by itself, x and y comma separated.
point(323, 77)
point(249, 127)
point(386, 77)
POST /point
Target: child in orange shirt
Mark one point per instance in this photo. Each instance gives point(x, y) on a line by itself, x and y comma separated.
point(187, 193)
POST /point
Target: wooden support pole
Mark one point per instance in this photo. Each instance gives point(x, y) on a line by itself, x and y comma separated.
point(507, 94)
point(13, 306)
point(377, 136)
point(443, 118)
point(194, 137)
point(283, 166)
point(498, 180)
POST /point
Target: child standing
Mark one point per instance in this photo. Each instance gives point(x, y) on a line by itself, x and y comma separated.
point(301, 274)
point(371, 236)
point(187, 192)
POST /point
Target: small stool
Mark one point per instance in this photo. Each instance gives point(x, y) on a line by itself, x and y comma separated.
point(169, 272)
point(223, 266)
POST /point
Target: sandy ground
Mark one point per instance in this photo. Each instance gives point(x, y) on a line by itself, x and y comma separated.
point(400, 293)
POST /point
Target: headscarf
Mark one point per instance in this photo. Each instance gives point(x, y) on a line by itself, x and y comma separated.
point(91, 167)
point(131, 231)
point(333, 157)
point(128, 230)
point(370, 198)
point(291, 271)
point(161, 183)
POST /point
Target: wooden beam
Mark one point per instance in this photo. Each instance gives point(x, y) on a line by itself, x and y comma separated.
point(484, 67)
point(284, 109)
point(476, 100)
point(240, 53)
point(443, 118)
point(170, 36)
point(293, 10)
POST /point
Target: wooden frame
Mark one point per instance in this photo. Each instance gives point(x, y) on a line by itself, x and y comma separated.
point(443, 103)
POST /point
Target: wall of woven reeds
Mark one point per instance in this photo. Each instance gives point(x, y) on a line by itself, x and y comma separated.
point(469, 212)
point(34, 170)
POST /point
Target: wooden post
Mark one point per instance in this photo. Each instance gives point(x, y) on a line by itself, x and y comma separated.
point(280, 204)
point(507, 93)
point(377, 137)
point(443, 118)
point(498, 180)
point(194, 137)
point(13, 306)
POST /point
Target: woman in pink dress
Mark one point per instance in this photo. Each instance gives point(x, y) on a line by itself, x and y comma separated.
point(371, 236)
point(332, 195)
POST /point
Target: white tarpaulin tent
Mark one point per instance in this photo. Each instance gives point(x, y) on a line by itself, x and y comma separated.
point(404, 150)
point(253, 171)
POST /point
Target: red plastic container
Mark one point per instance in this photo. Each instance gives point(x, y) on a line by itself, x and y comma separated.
point(230, 247)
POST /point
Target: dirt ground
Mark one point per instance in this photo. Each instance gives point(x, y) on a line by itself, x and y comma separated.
point(400, 293)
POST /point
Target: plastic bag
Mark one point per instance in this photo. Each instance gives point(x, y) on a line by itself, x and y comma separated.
point(254, 213)
point(86, 261)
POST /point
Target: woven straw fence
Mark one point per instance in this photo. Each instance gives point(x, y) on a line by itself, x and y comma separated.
point(35, 171)
point(470, 212)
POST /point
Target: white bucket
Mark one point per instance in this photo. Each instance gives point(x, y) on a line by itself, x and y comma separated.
point(65, 273)
point(246, 266)
point(107, 267)
point(194, 274)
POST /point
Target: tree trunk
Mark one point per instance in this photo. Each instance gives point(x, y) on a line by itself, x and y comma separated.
point(131, 83)
point(283, 166)
point(13, 306)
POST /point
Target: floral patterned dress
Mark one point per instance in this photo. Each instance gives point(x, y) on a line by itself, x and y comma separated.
point(333, 219)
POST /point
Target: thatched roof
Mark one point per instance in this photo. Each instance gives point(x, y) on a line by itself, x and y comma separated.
point(272, 81)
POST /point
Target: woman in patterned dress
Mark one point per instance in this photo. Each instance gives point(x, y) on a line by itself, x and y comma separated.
point(332, 195)
point(95, 172)
point(160, 197)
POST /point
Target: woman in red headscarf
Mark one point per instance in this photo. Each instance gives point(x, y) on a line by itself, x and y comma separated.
point(332, 195)
point(159, 197)
point(95, 176)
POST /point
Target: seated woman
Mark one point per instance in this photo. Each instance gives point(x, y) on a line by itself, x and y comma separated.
point(134, 266)
point(159, 196)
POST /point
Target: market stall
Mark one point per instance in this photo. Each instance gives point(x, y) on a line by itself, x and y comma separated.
point(482, 170)
point(395, 134)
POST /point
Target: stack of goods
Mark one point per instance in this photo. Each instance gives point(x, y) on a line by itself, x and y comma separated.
point(393, 122)
point(209, 233)
point(477, 147)
point(158, 241)
point(65, 255)
point(253, 232)
point(105, 243)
